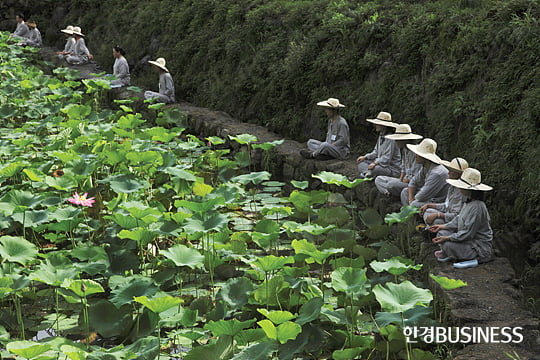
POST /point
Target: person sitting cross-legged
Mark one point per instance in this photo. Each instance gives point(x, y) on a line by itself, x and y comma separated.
point(337, 143)
point(468, 237)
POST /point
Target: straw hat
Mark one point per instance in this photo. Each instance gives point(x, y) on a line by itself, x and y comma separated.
point(457, 164)
point(331, 103)
point(403, 132)
point(384, 119)
point(77, 31)
point(31, 23)
point(426, 149)
point(68, 30)
point(471, 179)
point(160, 63)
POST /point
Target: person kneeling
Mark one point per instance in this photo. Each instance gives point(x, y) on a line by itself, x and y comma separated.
point(468, 237)
point(337, 144)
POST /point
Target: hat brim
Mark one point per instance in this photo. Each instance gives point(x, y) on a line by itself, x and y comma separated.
point(66, 31)
point(328, 105)
point(448, 165)
point(404, 137)
point(77, 33)
point(463, 185)
point(431, 157)
point(382, 122)
point(158, 65)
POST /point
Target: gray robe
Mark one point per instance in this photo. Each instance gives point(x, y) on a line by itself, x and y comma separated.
point(34, 38)
point(337, 143)
point(430, 184)
point(21, 30)
point(386, 154)
point(166, 89)
point(450, 208)
point(121, 71)
point(80, 54)
point(390, 185)
point(471, 235)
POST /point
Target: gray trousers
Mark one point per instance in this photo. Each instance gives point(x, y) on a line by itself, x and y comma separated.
point(390, 185)
point(323, 148)
point(459, 250)
point(405, 199)
point(437, 221)
point(153, 95)
point(376, 171)
point(75, 60)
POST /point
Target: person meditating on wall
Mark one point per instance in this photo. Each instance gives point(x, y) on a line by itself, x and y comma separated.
point(468, 237)
point(440, 213)
point(34, 35)
point(385, 158)
point(70, 43)
point(429, 184)
point(389, 185)
point(120, 68)
point(22, 29)
point(337, 144)
point(166, 84)
point(80, 53)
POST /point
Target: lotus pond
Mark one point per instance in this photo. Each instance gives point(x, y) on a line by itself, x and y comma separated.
point(123, 238)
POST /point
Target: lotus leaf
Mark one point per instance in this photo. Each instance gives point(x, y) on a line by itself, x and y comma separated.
point(182, 255)
point(124, 289)
point(271, 263)
point(337, 179)
point(310, 311)
point(202, 189)
point(447, 283)
point(17, 249)
point(146, 348)
point(257, 351)
point(351, 281)
point(268, 145)
point(283, 333)
point(235, 292)
point(277, 316)
point(180, 173)
point(244, 138)
point(142, 236)
point(394, 266)
point(82, 288)
point(158, 303)
point(338, 216)
point(108, 320)
point(18, 201)
point(54, 270)
point(228, 327)
point(76, 112)
point(222, 349)
point(215, 222)
point(401, 297)
point(125, 183)
point(31, 218)
point(268, 291)
point(214, 140)
point(254, 178)
point(370, 217)
point(27, 349)
point(73, 352)
point(306, 248)
point(417, 316)
point(403, 216)
point(312, 229)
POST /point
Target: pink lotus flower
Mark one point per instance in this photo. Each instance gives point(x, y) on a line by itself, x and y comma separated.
point(81, 200)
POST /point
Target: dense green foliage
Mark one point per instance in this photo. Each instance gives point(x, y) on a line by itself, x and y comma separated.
point(462, 72)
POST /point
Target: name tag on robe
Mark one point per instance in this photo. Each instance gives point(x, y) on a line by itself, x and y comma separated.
point(333, 137)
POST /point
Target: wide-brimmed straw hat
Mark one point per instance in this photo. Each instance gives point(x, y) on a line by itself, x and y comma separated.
point(68, 30)
point(384, 119)
point(403, 132)
point(77, 31)
point(471, 179)
point(457, 164)
point(160, 63)
point(426, 149)
point(331, 103)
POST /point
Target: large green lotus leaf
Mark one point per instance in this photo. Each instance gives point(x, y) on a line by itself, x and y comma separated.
point(351, 281)
point(271, 263)
point(139, 210)
point(142, 157)
point(310, 311)
point(82, 288)
point(108, 320)
point(34, 175)
point(328, 177)
point(27, 349)
point(257, 351)
point(130, 121)
point(124, 221)
point(116, 353)
point(447, 283)
point(142, 236)
point(95, 254)
point(126, 288)
point(358, 262)
point(404, 215)
point(401, 297)
point(216, 222)
point(182, 255)
point(178, 315)
point(267, 292)
point(282, 333)
point(333, 216)
point(254, 178)
point(73, 352)
point(80, 167)
point(222, 349)
point(172, 116)
point(394, 266)
point(64, 183)
point(277, 316)
point(66, 213)
point(267, 226)
point(7, 111)
point(200, 207)
point(158, 303)
point(17, 249)
point(306, 248)
point(313, 229)
point(264, 240)
point(244, 138)
point(146, 348)
point(303, 200)
point(12, 169)
point(370, 217)
point(126, 183)
point(348, 354)
point(31, 218)
point(300, 184)
point(159, 134)
point(18, 201)
point(242, 160)
point(235, 292)
point(54, 270)
point(76, 112)
point(417, 316)
point(228, 327)
point(180, 173)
